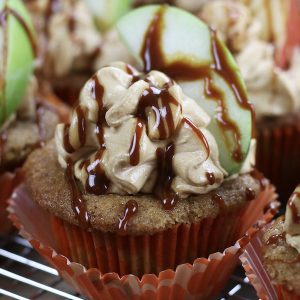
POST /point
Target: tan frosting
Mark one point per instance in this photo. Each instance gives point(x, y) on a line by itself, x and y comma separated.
point(191, 5)
point(68, 38)
point(273, 91)
point(112, 48)
point(292, 220)
point(232, 20)
point(121, 97)
point(251, 30)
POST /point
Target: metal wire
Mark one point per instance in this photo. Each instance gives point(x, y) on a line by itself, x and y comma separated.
point(24, 275)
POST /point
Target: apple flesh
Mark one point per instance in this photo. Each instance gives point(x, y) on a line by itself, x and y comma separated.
point(107, 12)
point(184, 38)
point(18, 60)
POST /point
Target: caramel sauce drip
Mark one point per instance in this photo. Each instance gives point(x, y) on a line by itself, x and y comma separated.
point(165, 175)
point(131, 208)
point(273, 239)
point(250, 194)
point(153, 58)
point(97, 182)
point(134, 152)
point(151, 98)
point(199, 134)
point(9, 11)
point(211, 178)
point(220, 202)
point(293, 207)
point(78, 202)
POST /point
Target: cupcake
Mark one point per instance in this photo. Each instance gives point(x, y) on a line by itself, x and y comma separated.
point(71, 46)
point(278, 246)
point(154, 173)
point(28, 115)
point(266, 45)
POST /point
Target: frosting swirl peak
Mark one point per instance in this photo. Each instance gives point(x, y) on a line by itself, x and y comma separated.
point(134, 132)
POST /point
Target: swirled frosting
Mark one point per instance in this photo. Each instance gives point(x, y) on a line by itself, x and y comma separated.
point(68, 38)
point(253, 32)
point(292, 220)
point(134, 132)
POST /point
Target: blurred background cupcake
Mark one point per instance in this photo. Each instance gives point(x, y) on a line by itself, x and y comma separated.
point(266, 44)
point(272, 260)
point(28, 113)
point(74, 40)
point(146, 178)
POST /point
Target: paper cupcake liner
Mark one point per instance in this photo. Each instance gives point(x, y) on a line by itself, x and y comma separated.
point(203, 279)
point(251, 259)
point(8, 181)
point(277, 155)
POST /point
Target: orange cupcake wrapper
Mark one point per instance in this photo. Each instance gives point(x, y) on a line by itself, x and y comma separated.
point(251, 259)
point(203, 279)
point(277, 155)
point(8, 181)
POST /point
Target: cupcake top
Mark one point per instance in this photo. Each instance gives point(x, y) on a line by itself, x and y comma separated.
point(257, 32)
point(128, 125)
point(139, 138)
point(27, 121)
point(281, 246)
point(68, 39)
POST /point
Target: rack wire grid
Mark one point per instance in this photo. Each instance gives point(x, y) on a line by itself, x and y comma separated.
point(25, 275)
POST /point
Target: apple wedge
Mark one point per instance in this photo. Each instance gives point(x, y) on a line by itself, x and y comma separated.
point(107, 12)
point(175, 42)
point(17, 50)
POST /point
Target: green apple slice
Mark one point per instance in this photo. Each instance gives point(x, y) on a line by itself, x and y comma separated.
point(17, 55)
point(107, 12)
point(191, 53)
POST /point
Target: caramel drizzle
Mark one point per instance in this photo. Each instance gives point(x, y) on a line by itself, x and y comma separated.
point(151, 98)
point(97, 182)
point(153, 58)
point(220, 202)
point(131, 208)
point(200, 136)
point(292, 205)
point(134, 152)
point(78, 201)
point(273, 239)
point(210, 178)
point(165, 174)
point(250, 194)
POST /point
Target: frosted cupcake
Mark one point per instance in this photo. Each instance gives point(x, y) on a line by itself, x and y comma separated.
point(28, 114)
point(263, 37)
point(146, 177)
point(70, 45)
point(275, 271)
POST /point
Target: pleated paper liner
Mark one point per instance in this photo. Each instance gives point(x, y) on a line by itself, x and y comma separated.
point(203, 278)
point(8, 181)
point(252, 262)
point(278, 154)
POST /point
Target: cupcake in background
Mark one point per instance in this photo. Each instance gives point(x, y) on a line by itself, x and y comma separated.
point(265, 41)
point(71, 45)
point(272, 260)
point(28, 114)
point(147, 180)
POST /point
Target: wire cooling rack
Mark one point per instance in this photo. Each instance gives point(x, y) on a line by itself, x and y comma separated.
point(25, 275)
